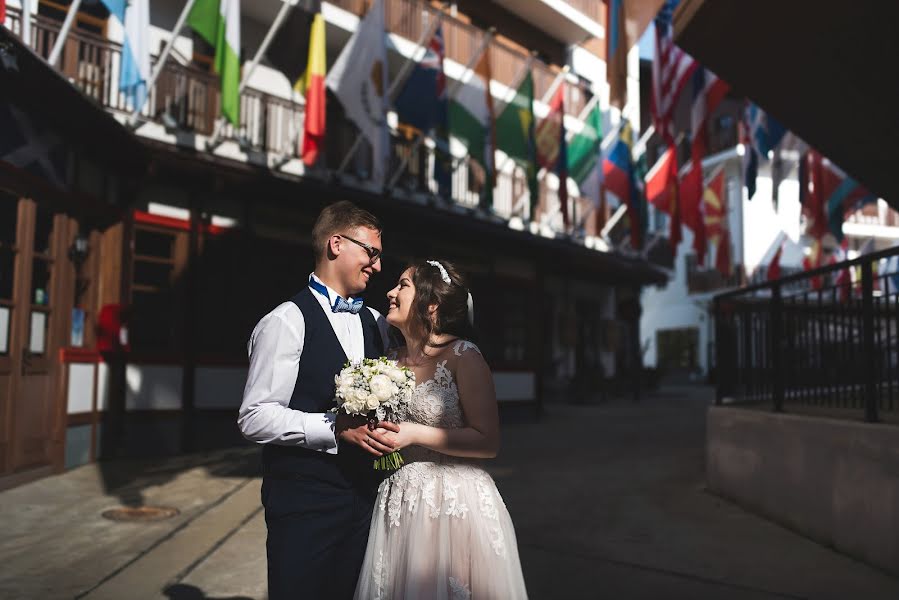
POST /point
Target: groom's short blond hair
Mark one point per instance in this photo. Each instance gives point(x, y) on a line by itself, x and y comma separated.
point(339, 218)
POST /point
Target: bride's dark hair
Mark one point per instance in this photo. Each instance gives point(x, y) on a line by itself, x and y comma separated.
point(451, 299)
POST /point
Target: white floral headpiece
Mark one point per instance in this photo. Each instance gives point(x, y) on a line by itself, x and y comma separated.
point(446, 279)
point(443, 274)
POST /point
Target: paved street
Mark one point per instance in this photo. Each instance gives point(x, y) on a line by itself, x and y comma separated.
point(607, 499)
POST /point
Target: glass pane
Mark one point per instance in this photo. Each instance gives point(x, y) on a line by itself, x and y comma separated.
point(8, 220)
point(43, 228)
point(38, 337)
point(5, 314)
point(147, 273)
point(151, 243)
point(152, 324)
point(7, 271)
point(40, 282)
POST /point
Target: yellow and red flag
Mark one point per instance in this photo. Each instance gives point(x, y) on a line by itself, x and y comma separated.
point(313, 83)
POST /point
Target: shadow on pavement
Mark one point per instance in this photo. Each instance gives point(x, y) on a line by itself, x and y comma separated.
point(128, 478)
point(181, 591)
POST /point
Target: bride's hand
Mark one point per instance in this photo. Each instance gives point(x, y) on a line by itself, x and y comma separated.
point(406, 436)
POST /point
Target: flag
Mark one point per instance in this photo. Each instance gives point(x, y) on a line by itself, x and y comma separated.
point(134, 72)
point(584, 150)
point(844, 196)
point(616, 52)
point(515, 134)
point(750, 159)
point(291, 47)
point(471, 120)
point(422, 104)
point(774, 265)
point(662, 192)
point(547, 132)
point(843, 279)
point(562, 174)
point(714, 204)
point(618, 174)
point(811, 194)
point(672, 68)
point(358, 79)
point(813, 260)
point(313, 87)
point(416, 104)
point(552, 151)
point(708, 92)
point(443, 159)
point(723, 261)
point(218, 23)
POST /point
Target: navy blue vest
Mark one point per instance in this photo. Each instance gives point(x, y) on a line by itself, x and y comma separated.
point(323, 357)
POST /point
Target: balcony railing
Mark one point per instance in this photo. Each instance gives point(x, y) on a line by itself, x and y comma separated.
point(409, 18)
point(186, 99)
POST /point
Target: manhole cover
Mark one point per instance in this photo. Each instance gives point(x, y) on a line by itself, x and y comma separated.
point(140, 513)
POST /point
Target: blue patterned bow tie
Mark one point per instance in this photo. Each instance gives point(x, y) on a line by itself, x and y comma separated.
point(340, 305)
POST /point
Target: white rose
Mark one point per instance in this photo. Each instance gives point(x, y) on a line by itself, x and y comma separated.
point(372, 402)
point(396, 375)
point(382, 387)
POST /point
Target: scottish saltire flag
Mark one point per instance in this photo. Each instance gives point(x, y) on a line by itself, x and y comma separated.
point(134, 72)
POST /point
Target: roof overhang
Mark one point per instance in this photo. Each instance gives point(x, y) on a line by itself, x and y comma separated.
point(826, 72)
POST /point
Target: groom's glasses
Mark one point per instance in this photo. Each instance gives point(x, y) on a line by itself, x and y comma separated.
point(373, 253)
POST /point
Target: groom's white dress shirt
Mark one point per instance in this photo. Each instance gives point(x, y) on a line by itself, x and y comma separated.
point(275, 349)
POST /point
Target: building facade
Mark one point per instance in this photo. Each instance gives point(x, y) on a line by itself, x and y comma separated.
point(140, 251)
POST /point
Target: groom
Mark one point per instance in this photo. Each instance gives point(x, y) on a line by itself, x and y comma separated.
point(318, 484)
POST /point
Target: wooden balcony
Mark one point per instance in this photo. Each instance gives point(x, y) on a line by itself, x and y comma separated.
point(186, 99)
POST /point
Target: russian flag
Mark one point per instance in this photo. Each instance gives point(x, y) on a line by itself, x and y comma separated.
point(618, 175)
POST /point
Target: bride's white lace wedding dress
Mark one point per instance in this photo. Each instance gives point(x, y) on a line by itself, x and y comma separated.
point(440, 529)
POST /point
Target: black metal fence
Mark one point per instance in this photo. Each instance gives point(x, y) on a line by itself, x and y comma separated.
point(823, 339)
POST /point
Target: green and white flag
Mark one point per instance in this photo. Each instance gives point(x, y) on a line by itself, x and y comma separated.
point(471, 120)
point(584, 151)
point(218, 23)
point(515, 134)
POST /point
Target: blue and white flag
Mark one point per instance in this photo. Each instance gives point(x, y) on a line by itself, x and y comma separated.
point(134, 72)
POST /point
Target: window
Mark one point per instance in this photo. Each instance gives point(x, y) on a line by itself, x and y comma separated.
point(159, 257)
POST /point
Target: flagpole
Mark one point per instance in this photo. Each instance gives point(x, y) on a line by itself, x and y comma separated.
point(26, 22)
point(285, 9)
point(451, 93)
point(424, 38)
point(63, 33)
point(160, 62)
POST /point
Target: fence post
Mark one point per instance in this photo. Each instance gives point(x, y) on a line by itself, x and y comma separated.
point(868, 350)
point(719, 352)
point(776, 354)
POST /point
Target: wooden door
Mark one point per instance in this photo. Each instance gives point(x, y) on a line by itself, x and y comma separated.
point(33, 430)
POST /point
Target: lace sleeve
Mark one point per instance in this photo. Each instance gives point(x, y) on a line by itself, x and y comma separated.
point(463, 346)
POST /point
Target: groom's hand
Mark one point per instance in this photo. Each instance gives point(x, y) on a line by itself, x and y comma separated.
point(355, 430)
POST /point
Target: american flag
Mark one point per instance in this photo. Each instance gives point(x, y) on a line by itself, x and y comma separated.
point(671, 70)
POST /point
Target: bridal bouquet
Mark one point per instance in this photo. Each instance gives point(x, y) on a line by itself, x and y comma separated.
point(378, 389)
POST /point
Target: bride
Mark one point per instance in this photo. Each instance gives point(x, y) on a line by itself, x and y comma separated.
point(440, 529)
